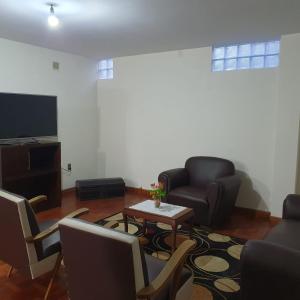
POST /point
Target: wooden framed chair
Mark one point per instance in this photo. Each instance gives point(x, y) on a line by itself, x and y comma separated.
point(108, 264)
point(28, 246)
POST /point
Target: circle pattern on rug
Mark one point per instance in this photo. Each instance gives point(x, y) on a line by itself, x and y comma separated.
point(215, 237)
point(211, 263)
point(166, 226)
point(132, 229)
point(201, 292)
point(227, 285)
point(162, 255)
point(235, 251)
point(179, 239)
point(117, 217)
point(139, 220)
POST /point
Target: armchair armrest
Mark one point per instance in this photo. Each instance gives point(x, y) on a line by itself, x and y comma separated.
point(291, 207)
point(47, 232)
point(172, 267)
point(269, 271)
point(230, 183)
point(34, 201)
point(77, 213)
point(174, 178)
point(221, 197)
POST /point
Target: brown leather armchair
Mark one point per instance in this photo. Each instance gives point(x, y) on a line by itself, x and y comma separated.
point(270, 269)
point(209, 185)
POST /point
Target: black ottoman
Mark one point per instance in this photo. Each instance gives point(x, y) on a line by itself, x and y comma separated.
point(100, 188)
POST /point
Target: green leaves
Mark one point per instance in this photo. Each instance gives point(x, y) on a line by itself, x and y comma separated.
point(157, 191)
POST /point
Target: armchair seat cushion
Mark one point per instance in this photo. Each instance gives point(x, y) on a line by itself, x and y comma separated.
point(50, 245)
point(154, 267)
point(191, 193)
point(193, 197)
point(286, 234)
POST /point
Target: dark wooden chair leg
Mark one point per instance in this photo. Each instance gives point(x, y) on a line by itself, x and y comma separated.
point(55, 271)
point(125, 218)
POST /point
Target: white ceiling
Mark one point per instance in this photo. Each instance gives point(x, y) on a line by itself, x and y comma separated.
point(111, 28)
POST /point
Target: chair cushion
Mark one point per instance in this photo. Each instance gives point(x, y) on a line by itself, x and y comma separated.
point(154, 266)
point(286, 234)
point(191, 193)
point(193, 197)
point(50, 245)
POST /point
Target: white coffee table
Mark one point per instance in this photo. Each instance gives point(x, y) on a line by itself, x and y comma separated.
point(170, 214)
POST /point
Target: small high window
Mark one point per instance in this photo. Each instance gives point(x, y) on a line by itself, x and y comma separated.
point(106, 69)
point(246, 56)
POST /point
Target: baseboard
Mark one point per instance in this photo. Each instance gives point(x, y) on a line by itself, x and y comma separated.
point(139, 191)
point(257, 214)
point(274, 220)
point(69, 190)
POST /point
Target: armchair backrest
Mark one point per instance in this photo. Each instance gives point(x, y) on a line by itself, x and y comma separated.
point(17, 222)
point(101, 263)
point(203, 170)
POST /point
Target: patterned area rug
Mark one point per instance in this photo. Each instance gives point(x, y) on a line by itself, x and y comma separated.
point(215, 261)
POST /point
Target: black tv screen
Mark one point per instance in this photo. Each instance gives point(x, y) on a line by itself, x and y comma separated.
point(23, 116)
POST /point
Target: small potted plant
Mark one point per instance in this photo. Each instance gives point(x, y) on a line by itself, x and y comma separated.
point(157, 193)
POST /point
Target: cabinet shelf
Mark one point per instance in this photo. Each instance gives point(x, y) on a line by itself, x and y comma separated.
point(32, 169)
point(30, 175)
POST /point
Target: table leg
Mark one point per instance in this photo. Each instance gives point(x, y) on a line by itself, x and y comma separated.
point(174, 232)
point(190, 228)
point(144, 226)
point(125, 218)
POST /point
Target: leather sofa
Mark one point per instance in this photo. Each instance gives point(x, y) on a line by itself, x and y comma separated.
point(270, 269)
point(209, 185)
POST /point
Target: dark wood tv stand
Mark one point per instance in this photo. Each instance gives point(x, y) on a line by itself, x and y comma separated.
point(32, 169)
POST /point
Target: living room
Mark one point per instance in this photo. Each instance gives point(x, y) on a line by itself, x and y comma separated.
point(165, 104)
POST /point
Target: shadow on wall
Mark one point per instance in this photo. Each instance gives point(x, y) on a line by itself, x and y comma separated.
point(298, 164)
point(248, 197)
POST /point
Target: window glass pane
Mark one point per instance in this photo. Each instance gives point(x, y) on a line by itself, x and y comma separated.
point(245, 50)
point(273, 47)
point(110, 74)
point(103, 74)
point(257, 62)
point(219, 53)
point(272, 61)
point(218, 65)
point(246, 56)
point(231, 51)
point(103, 64)
point(230, 64)
point(110, 64)
point(244, 63)
point(258, 49)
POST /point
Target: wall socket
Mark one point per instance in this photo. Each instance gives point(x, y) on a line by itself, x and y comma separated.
point(55, 65)
point(69, 167)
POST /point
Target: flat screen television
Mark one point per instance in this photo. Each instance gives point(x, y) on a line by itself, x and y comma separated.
point(27, 116)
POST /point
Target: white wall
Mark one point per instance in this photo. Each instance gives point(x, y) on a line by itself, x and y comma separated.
point(28, 69)
point(162, 108)
point(287, 126)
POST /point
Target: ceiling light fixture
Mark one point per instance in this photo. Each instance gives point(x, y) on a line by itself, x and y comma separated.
point(53, 21)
